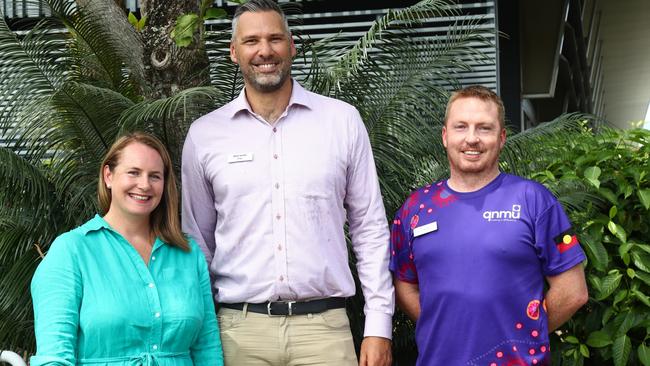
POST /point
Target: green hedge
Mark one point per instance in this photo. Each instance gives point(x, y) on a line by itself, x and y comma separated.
point(612, 166)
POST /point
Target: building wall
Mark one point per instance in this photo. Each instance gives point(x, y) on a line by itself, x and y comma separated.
point(626, 60)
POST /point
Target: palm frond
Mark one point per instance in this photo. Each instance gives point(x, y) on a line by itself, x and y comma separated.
point(28, 72)
point(521, 151)
point(401, 93)
point(115, 32)
point(93, 58)
point(23, 184)
point(350, 59)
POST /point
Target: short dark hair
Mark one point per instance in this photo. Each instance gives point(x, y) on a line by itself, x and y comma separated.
point(480, 92)
point(257, 6)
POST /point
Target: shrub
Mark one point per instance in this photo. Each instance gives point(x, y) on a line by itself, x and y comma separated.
point(612, 165)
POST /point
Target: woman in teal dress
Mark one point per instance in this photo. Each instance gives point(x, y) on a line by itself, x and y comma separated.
point(127, 287)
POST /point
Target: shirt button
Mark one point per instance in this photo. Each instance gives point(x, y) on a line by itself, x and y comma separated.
point(275, 156)
point(150, 285)
point(155, 346)
point(277, 185)
point(279, 246)
point(157, 315)
point(275, 129)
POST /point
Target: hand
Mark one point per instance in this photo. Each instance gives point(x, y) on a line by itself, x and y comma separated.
point(376, 351)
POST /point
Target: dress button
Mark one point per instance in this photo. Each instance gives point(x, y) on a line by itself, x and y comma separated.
point(157, 315)
point(153, 258)
point(155, 346)
point(150, 285)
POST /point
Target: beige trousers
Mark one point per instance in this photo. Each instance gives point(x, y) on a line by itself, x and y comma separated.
point(314, 339)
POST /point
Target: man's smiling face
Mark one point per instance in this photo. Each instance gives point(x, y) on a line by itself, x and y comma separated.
point(263, 49)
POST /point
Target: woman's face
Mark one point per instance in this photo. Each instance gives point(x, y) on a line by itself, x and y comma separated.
point(137, 182)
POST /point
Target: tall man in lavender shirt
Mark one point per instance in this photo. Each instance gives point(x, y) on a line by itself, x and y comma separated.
point(269, 181)
point(471, 254)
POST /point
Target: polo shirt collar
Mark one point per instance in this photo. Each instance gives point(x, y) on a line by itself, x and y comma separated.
point(299, 96)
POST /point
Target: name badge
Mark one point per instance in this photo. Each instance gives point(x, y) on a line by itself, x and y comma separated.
point(238, 158)
point(421, 230)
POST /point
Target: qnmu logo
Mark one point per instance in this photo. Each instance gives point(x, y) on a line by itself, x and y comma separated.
point(503, 215)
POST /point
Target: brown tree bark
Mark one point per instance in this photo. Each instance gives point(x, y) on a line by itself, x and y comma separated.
point(169, 68)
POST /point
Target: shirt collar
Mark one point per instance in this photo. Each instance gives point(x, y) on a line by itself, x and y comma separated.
point(96, 223)
point(299, 96)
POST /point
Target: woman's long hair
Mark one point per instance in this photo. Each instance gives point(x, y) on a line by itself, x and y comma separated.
point(164, 219)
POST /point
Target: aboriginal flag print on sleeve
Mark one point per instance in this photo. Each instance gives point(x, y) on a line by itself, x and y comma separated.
point(566, 241)
point(556, 241)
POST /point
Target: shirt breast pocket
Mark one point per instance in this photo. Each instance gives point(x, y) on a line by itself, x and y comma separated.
point(180, 293)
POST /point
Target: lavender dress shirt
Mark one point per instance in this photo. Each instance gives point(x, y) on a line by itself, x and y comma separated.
point(267, 204)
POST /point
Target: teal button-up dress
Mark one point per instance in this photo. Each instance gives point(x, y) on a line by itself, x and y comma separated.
point(97, 302)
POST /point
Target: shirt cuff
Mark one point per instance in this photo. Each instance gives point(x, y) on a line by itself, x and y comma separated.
point(378, 324)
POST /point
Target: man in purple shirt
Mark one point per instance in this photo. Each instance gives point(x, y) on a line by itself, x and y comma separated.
point(470, 255)
point(269, 181)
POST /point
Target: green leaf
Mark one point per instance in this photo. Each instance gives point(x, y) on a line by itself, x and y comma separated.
point(612, 212)
point(584, 351)
point(183, 32)
point(645, 277)
point(141, 23)
point(592, 174)
point(644, 197)
point(599, 339)
point(631, 273)
point(215, 13)
point(641, 260)
point(133, 20)
point(624, 248)
point(644, 354)
point(598, 256)
point(205, 4)
point(620, 296)
point(644, 247)
point(607, 193)
point(621, 350)
point(617, 230)
point(627, 190)
point(642, 297)
point(572, 340)
point(609, 285)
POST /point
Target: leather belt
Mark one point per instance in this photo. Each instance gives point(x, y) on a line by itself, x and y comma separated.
point(288, 308)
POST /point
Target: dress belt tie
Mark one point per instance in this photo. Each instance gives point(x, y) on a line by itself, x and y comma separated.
point(143, 359)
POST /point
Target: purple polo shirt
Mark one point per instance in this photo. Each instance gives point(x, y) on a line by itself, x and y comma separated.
point(480, 260)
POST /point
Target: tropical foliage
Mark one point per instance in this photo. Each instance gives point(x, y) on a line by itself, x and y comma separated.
point(612, 166)
point(74, 82)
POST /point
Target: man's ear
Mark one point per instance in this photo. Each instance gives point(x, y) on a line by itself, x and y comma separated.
point(503, 137)
point(292, 45)
point(233, 52)
point(444, 136)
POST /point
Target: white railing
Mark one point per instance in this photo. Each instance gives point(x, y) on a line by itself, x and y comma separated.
point(12, 358)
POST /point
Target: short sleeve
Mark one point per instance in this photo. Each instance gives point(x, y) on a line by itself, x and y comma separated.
point(556, 242)
point(401, 255)
point(56, 294)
